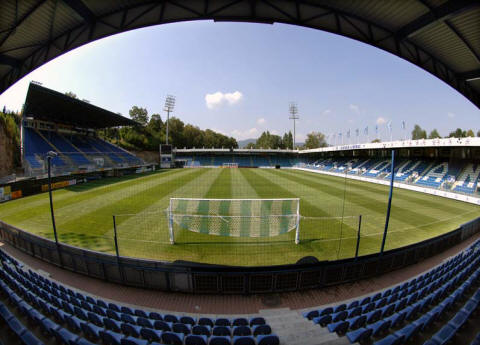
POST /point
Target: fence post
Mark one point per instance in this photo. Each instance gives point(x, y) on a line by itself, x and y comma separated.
point(358, 235)
point(389, 207)
point(115, 236)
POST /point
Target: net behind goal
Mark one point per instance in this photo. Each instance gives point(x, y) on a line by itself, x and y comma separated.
point(234, 217)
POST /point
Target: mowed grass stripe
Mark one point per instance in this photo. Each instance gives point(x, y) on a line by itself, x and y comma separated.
point(428, 203)
point(34, 206)
point(222, 189)
point(96, 216)
point(25, 206)
point(370, 201)
point(311, 205)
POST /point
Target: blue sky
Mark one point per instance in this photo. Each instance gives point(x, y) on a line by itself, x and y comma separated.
point(239, 79)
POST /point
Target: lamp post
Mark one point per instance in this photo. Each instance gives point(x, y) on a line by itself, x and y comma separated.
point(293, 116)
point(169, 104)
point(50, 155)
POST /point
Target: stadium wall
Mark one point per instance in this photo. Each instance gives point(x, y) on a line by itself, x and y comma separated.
point(437, 192)
point(201, 278)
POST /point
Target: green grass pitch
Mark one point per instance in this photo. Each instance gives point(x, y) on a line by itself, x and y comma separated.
point(330, 209)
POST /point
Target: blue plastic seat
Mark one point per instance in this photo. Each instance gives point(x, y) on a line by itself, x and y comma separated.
point(368, 308)
point(95, 319)
point(170, 318)
point(144, 322)
point(459, 320)
point(242, 330)
point(409, 331)
point(188, 320)
point(425, 321)
point(64, 336)
point(205, 321)
point(323, 320)
point(126, 310)
point(219, 340)
point(353, 304)
point(133, 341)
point(99, 310)
point(269, 339)
point(396, 319)
point(202, 330)
point(193, 339)
point(243, 340)
point(470, 307)
point(387, 310)
point(155, 316)
point(365, 301)
point(141, 313)
point(221, 330)
point(339, 327)
point(339, 316)
point(223, 322)
point(261, 330)
point(357, 322)
point(112, 314)
point(340, 307)
point(354, 312)
point(379, 327)
point(241, 321)
point(91, 331)
point(128, 319)
point(111, 338)
point(114, 307)
point(374, 316)
point(359, 335)
point(391, 339)
point(172, 338)
point(257, 321)
point(182, 328)
point(151, 334)
point(162, 325)
point(48, 327)
point(311, 314)
point(112, 324)
point(444, 335)
point(28, 338)
point(132, 330)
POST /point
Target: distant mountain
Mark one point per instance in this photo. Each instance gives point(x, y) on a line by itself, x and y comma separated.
point(243, 143)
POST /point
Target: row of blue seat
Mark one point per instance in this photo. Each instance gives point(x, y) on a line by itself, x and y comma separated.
point(375, 315)
point(130, 328)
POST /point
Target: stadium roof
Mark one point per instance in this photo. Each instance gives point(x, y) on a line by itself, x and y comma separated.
point(440, 36)
point(49, 105)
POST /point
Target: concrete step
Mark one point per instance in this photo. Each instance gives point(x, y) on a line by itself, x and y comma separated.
point(293, 329)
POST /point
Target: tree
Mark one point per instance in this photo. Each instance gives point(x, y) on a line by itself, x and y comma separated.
point(250, 146)
point(418, 133)
point(287, 141)
point(71, 94)
point(155, 124)
point(470, 133)
point(376, 141)
point(458, 133)
point(315, 140)
point(139, 114)
point(268, 140)
point(478, 133)
point(434, 134)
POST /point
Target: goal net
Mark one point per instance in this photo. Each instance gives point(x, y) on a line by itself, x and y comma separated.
point(234, 217)
point(230, 165)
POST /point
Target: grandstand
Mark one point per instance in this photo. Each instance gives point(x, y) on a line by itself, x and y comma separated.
point(56, 122)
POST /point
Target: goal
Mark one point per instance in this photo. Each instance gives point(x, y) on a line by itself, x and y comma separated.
point(234, 217)
point(230, 165)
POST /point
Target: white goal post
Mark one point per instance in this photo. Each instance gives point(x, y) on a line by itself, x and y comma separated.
point(235, 217)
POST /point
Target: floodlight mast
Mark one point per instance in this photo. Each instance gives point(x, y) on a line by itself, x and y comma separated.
point(293, 116)
point(169, 105)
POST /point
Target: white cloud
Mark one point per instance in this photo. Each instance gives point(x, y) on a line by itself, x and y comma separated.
point(246, 134)
point(326, 112)
point(451, 115)
point(261, 121)
point(214, 100)
point(381, 121)
point(274, 132)
point(355, 108)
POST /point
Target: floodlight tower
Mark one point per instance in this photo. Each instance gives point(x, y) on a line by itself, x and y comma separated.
point(293, 116)
point(169, 105)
